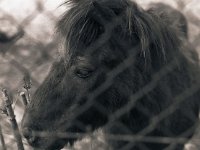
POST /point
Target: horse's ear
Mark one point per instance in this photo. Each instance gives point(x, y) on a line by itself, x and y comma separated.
point(105, 12)
point(102, 14)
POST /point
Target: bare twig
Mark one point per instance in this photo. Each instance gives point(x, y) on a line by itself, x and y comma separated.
point(25, 102)
point(3, 145)
point(27, 84)
point(10, 112)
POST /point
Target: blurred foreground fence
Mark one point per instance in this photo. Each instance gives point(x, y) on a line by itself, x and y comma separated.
point(29, 56)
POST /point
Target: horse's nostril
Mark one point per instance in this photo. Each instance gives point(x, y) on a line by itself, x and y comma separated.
point(29, 135)
point(27, 132)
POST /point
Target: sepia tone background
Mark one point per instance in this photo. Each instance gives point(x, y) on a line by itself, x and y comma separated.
point(28, 46)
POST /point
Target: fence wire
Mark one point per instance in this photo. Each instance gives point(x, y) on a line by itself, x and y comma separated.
point(24, 58)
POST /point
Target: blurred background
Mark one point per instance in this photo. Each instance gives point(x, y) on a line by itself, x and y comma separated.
point(28, 46)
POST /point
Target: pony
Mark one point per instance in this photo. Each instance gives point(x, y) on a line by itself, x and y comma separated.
point(127, 70)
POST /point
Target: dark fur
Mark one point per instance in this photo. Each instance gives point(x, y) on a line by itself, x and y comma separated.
point(172, 17)
point(68, 100)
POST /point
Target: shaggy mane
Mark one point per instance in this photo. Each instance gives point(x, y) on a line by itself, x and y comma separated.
point(80, 28)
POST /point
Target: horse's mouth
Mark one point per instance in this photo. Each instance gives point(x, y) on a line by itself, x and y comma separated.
point(45, 149)
point(53, 147)
point(42, 144)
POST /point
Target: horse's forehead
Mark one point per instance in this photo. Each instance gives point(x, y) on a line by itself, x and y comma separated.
point(82, 60)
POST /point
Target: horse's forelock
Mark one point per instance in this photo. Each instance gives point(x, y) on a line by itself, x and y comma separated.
point(80, 29)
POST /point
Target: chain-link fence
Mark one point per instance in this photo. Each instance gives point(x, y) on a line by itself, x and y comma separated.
point(27, 50)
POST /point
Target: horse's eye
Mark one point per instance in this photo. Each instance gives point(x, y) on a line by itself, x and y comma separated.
point(83, 73)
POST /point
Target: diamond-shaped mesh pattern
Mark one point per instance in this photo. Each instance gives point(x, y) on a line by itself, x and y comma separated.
point(26, 54)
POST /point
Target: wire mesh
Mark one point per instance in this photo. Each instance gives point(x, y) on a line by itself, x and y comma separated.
point(25, 60)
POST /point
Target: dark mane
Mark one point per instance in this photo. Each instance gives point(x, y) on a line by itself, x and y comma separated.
point(80, 28)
